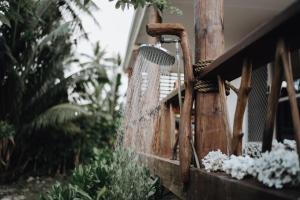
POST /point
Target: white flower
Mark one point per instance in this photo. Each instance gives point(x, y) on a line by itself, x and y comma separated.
point(238, 166)
point(213, 161)
point(278, 167)
point(253, 149)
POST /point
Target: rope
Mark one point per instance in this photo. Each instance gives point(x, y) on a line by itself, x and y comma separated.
point(205, 86)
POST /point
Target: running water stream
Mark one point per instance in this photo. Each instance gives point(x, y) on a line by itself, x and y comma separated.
point(142, 107)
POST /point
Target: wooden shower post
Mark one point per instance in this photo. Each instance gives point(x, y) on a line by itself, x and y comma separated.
point(153, 17)
point(211, 122)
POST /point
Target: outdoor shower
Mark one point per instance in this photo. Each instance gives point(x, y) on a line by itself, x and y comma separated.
point(163, 58)
point(143, 93)
point(176, 29)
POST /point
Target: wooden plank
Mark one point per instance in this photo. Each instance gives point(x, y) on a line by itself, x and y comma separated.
point(168, 171)
point(259, 45)
point(213, 186)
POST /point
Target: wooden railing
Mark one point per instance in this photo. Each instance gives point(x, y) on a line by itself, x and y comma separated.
point(270, 43)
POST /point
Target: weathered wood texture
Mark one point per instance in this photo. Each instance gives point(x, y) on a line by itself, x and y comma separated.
point(211, 125)
point(263, 38)
point(185, 153)
point(229, 65)
point(165, 132)
point(213, 186)
point(242, 99)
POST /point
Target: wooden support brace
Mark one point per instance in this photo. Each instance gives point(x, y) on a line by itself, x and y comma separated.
point(282, 55)
point(291, 92)
point(273, 101)
point(242, 99)
point(223, 105)
point(234, 89)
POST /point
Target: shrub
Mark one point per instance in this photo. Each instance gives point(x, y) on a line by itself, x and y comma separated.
point(112, 175)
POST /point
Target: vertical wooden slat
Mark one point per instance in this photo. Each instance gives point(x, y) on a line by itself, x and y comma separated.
point(165, 142)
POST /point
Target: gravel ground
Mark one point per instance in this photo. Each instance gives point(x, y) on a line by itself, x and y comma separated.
point(27, 189)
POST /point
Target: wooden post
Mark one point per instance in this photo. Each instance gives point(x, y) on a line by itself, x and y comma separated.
point(211, 121)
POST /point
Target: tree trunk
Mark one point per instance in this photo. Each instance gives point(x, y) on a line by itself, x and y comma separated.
point(211, 122)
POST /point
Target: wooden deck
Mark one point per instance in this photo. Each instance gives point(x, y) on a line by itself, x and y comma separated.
point(259, 46)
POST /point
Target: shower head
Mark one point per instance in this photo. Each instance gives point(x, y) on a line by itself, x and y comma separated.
point(157, 54)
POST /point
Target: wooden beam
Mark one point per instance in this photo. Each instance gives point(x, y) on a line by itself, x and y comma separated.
point(156, 29)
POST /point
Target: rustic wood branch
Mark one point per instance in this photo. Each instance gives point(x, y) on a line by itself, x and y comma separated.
point(232, 87)
point(158, 29)
point(185, 150)
point(242, 99)
point(273, 101)
point(225, 118)
point(287, 67)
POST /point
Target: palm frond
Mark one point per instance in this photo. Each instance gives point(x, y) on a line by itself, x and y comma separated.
point(83, 6)
point(5, 20)
point(62, 30)
point(44, 95)
point(69, 128)
point(58, 115)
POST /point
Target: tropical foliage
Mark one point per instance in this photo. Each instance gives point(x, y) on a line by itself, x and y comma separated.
point(160, 4)
point(37, 38)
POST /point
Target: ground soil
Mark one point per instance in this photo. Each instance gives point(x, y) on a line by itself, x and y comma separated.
point(29, 188)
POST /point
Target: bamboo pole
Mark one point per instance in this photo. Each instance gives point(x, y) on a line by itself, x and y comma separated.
point(211, 120)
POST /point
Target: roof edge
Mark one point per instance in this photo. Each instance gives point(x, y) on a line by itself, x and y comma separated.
point(134, 31)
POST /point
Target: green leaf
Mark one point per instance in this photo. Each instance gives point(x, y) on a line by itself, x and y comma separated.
point(58, 32)
point(58, 115)
point(4, 20)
